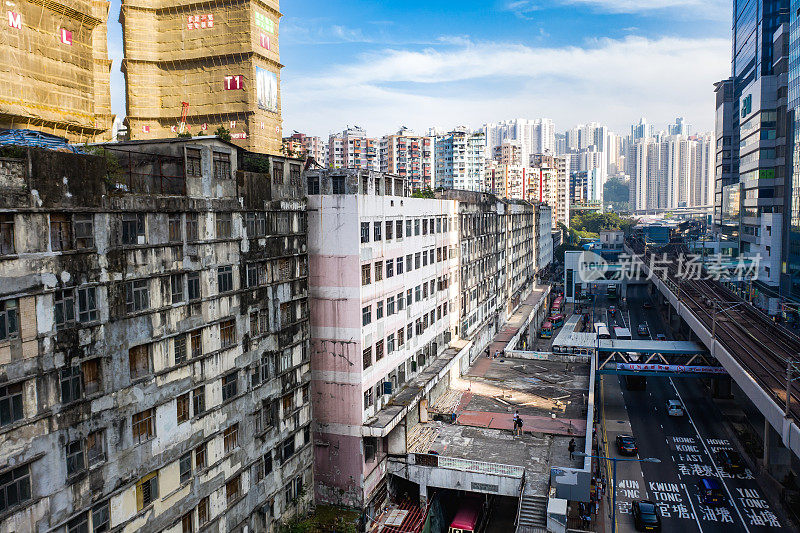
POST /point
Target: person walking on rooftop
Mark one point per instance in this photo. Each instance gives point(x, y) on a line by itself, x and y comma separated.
point(571, 448)
point(517, 423)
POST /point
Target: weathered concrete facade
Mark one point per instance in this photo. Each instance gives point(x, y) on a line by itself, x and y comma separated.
point(154, 362)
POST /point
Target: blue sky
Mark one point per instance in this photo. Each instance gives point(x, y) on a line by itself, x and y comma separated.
point(384, 64)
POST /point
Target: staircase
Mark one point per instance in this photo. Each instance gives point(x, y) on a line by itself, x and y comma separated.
point(532, 513)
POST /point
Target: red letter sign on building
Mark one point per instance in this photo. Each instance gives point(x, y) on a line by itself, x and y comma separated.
point(234, 83)
point(66, 36)
point(15, 20)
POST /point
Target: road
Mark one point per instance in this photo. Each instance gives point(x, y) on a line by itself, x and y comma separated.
point(685, 445)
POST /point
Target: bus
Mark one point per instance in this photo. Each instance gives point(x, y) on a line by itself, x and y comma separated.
point(602, 331)
point(556, 307)
point(547, 331)
point(611, 292)
point(468, 517)
point(556, 320)
point(623, 334)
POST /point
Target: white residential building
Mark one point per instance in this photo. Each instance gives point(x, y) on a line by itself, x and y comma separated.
point(460, 160)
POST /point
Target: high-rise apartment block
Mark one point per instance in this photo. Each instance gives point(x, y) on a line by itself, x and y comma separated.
point(549, 183)
point(532, 136)
point(303, 146)
point(408, 155)
point(353, 149)
point(194, 66)
point(404, 293)
point(154, 340)
point(460, 159)
point(56, 70)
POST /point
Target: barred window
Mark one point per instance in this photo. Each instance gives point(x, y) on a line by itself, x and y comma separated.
point(175, 227)
point(367, 357)
point(200, 453)
point(232, 489)
point(83, 226)
point(7, 234)
point(379, 350)
point(182, 404)
point(199, 400)
point(224, 225)
point(143, 425)
point(227, 333)
point(15, 487)
point(196, 340)
point(71, 384)
point(64, 301)
point(222, 166)
point(277, 171)
point(139, 361)
point(75, 458)
point(231, 437)
point(179, 348)
point(193, 161)
point(133, 228)
point(146, 490)
point(11, 407)
point(87, 304)
point(366, 271)
point(185, 467)
point(225, 279)
point(193, 285)
point(203, 511)
point(229, 386)
point(95, 448)
point(294, 174)
point(60, 232)
point(192, 227)
point(137, 296)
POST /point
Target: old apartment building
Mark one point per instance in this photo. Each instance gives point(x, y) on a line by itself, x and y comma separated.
point(405, 292)
point(154, 339)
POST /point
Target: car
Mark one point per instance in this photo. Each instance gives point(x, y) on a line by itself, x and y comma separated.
point(626, 445)
point(730, 461)
point(674, 408)
point(645, 516)
point(711, 491)
point(647, 304)
point(661, 337)
point(643, 330)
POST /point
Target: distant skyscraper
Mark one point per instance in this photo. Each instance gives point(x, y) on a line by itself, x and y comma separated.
point(460, 158)
point(353, 149)
point(533, 136)
point(641, 130)
point(408, 155)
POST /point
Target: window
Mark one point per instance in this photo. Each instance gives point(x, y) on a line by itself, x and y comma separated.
point(199, 400)
point(368, 401)
point(193, 162)
point(418, 293)
point(379, 350)
point(101, 517)
point(288, 448)
point(187, 521)
point(202, 511)
point(232, 489)
point(400, 337)
point(11, 403)
point(15, 487)
point(83, 226)
point(267, 463)
point(390, 306)
point(399, 265)
point(182, 404)
point(367, 357)
point(378, 270)
point(60, 234)
point(409, 298)
point(139, 361)
point(294, 174)
point(137, 296)
point(91, 376)
point(417, 257)
point(337, 184)
point(366, 315)
point(364, 232)
point(424, 258)
point(267, 415)
point(389, 230)
point(71, 384)
point(146, 490)
point(185, 467)
point(389, 268)
point(313, 185)
point(174, 226)
point(390, 343)
point(222, 166)
point(143, 426)
point(75, 458)
point(133, 228)
point(399, 229)
point(366, 274)
point(408, 228)
point(87, 304)
point(229, 386)
point(379, 310)
point(95, 447)
point(277, 171)
point(196, 341)
point(377, 231)
point(227, 333)
point(224, 225)
point(409, 265)
point(409, 331)
point(7, 235)
point(192, 227)
point(200, 454)
point(193, 285)
point(64, 301)
point(416, 226)
point(424, 226)
point(225, 279)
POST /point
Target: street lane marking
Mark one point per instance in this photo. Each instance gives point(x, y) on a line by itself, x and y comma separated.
point(711, 457)
point(696, 518)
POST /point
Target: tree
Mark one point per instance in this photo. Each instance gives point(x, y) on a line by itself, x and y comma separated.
point(423, 193)
point(616, 192)
point(223, 134)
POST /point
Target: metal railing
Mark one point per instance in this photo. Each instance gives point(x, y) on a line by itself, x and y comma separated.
point(468, 465)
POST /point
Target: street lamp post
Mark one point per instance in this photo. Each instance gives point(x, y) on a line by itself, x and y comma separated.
point(615, 460)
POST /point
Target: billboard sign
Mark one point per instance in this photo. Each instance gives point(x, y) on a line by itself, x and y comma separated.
point(267, 89)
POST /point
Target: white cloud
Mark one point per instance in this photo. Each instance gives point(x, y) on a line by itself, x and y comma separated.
point(711, 9)
point(611, 81)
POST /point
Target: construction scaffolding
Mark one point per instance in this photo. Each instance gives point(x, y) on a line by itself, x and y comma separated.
point(55, 68)
point(220, 57)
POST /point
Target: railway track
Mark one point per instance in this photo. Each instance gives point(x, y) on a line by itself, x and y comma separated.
point(760, 346)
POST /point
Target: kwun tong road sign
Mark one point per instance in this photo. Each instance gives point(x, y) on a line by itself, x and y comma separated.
point(660, 369)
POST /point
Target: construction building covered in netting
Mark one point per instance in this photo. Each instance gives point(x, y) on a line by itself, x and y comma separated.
point(192, 66)
point(55, 68)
